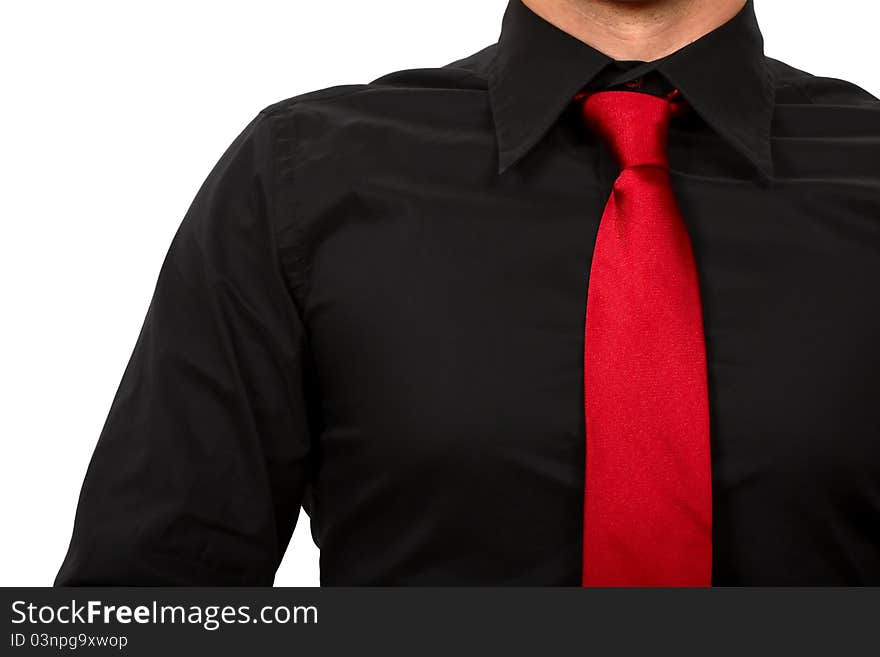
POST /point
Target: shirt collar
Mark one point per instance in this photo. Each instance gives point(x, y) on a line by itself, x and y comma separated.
point(538, 69)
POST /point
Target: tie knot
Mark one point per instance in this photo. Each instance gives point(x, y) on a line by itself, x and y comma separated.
point(634, 125)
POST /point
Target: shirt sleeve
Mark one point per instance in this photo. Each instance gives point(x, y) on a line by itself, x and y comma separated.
point(199, 471)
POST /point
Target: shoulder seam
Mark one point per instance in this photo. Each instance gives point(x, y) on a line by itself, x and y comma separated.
point(271, 195)
point(279, 107)
point(794, 82)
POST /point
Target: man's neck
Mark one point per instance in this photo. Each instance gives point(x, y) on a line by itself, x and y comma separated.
point(636, 29)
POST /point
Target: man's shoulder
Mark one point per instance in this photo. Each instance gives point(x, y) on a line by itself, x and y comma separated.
point(466, 74)
point(796, 86)
point(824, 128)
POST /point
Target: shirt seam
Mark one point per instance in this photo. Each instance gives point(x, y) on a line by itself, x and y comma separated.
point(297, 243)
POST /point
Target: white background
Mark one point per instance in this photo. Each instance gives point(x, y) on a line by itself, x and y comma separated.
point(112, 113)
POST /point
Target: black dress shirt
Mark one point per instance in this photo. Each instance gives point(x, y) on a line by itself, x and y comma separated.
point(374, 310)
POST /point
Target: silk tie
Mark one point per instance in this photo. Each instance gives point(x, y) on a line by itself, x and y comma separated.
point(648, 489)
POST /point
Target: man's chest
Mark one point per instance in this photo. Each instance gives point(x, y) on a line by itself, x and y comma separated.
point(447, 328)
point(470, 304)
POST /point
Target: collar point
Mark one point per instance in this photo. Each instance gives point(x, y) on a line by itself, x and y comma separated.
point(506, 159)
point(763, 163)
point(765, 172)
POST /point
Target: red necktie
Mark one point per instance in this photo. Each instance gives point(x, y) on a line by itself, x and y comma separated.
point(648, 489)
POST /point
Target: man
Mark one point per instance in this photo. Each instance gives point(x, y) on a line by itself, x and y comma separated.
point(593, 306)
